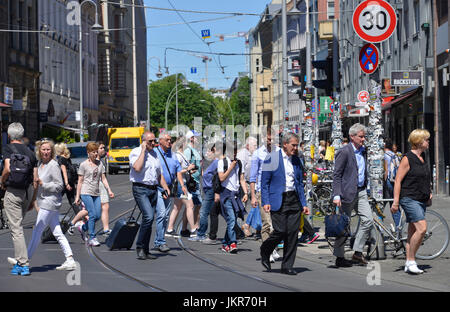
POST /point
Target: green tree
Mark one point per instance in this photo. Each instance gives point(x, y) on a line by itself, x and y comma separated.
point(192, 102)
point(240, 102)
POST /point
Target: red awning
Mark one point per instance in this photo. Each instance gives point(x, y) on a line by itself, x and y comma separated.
point(4, 105)
point(388, 102)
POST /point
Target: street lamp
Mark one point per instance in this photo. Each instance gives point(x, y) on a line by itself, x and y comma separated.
point(96, 27)
point(158, 75)
point(169, 99)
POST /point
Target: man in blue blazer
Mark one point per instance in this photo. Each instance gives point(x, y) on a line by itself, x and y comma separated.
point(282, 194)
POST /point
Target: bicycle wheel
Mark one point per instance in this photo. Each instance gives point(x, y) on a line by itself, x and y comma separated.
point(324, 201)
point(436, 237)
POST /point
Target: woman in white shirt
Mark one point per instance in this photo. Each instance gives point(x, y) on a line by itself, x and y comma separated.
point(48, 202)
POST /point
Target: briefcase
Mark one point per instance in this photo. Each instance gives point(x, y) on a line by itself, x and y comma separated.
point(123, 233)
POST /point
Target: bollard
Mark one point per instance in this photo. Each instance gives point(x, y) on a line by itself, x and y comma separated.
point(434, 179)
point(447, 178)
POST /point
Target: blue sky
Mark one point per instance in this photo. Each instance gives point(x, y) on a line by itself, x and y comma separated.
point(182, 37)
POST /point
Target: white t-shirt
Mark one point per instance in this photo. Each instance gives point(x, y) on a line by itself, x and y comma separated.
point(232, 181)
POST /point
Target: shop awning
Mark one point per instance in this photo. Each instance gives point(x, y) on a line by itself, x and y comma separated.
point(3, 105)
point(389, 102)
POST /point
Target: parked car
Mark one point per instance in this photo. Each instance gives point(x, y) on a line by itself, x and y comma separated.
point(78, 152)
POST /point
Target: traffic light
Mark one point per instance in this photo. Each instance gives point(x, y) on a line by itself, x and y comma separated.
point(327, 83)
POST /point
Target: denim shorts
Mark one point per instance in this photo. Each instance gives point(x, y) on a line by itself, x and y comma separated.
point(414, 210)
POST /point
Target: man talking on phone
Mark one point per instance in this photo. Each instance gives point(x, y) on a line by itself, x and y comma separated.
point(146, 176)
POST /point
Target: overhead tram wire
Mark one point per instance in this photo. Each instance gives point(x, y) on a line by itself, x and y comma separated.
point(216, 12)
point(197, 35)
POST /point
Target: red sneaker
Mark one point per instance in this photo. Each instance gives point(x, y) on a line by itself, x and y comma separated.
point(225, 248)
point(233, 248)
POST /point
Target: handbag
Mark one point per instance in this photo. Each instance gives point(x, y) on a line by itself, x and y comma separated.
point(337, 225)
point(174, 187)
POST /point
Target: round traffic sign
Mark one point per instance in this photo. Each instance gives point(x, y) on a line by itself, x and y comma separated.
point(369, 58)
point(363, 96)
point(374, 20)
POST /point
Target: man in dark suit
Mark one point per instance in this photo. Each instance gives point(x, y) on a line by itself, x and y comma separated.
point(349, 190)
point(282, 194)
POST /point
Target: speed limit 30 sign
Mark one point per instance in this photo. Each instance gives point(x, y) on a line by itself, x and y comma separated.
point(374, 20)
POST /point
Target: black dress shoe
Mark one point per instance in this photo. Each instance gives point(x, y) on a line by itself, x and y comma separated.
point(289, 271)
point(150, 256)
point(141, 254)
point(359, 259)
point(343, 263)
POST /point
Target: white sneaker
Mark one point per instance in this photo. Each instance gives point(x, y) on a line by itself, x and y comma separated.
point(411, 267)
point(79, 227)
point(271, 259)
point(12, 261)
point(275, 255)
point(68, 265)
point(94, 242)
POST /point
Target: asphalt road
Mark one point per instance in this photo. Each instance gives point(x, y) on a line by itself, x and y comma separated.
point(195, 267)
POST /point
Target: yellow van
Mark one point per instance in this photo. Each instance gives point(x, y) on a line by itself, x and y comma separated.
point(121, 142)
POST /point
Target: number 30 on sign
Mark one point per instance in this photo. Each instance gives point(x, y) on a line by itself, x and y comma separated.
point(374, 20)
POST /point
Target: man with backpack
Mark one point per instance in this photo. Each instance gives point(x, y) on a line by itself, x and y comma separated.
point(391, 164)
point(18, 178)
point(231, 176)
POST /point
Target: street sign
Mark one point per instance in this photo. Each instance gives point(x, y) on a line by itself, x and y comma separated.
point(193, 70)
point(369, 58)
point(374, 20)
point(325, 104)
point(363, 96)
point(9, 95)
point(206, 33)
point(406, 78)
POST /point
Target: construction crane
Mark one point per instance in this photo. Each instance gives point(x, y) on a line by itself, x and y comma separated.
point(205, 59)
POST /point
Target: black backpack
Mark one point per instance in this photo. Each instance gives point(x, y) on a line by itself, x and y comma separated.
point(21, 170)
point(217, 185)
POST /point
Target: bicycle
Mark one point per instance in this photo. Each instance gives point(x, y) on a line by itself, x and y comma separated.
point(393, 239)
point(320, 195)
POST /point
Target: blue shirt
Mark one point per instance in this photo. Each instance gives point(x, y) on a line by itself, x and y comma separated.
point(172, 162)
point(361, 164)
point(209, 174)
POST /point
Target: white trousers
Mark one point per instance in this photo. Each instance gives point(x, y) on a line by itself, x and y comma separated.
point(50, 218)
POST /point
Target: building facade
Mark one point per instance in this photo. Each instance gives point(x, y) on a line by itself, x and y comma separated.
point(116, 63)
point(19, 68)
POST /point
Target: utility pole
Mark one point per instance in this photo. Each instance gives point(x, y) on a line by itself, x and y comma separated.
point(135, 104)
point(284, 63)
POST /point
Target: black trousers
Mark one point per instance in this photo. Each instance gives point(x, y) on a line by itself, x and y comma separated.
point(286, 225)
point(214, 220)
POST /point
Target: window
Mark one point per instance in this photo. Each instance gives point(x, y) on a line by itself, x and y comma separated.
point(416, 16)
point(330, 9)
point(442, 11)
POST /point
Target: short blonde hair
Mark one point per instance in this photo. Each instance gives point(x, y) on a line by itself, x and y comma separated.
point(91, 146)
point(42, 142)
point(417, 137)
point(62, 150)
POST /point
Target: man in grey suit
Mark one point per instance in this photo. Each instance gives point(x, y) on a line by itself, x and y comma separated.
point(349, 190)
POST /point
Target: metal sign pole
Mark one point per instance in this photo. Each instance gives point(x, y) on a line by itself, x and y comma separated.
point(375, 142)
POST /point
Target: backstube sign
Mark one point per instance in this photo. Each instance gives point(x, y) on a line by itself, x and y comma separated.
point(406, 78)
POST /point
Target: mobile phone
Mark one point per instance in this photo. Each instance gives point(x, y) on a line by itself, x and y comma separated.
point(165, 193)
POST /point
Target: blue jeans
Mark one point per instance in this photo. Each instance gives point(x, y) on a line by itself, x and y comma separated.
point(147, 201)
point(94, 208)
point(162, 218)
point(207, 204)
point(230, 218)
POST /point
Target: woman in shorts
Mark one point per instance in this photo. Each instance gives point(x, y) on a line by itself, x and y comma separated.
point(412, 190)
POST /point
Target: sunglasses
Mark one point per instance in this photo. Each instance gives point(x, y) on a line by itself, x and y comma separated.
point(152, 141)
